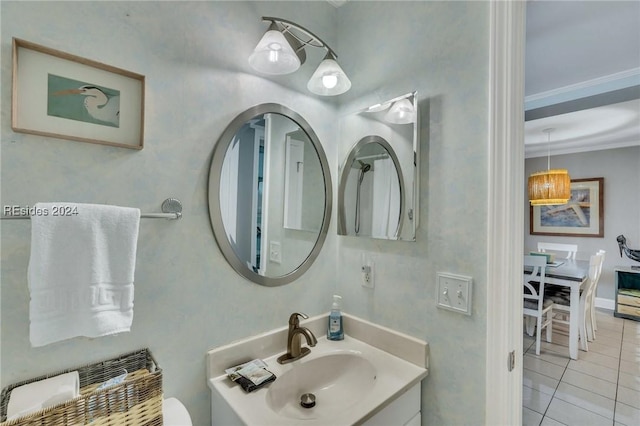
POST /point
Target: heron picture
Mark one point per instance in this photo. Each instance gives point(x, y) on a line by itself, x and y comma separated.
point(60, 95)
point(83, 101)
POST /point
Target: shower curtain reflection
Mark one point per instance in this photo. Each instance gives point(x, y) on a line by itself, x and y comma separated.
point(372, 191)
point(386, 199)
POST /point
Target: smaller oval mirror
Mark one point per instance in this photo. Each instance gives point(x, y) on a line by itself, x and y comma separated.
point(371, 191)
point(378, 185)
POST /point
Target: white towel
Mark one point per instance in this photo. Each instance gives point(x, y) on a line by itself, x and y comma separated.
point(35, 396)
point(81, 271)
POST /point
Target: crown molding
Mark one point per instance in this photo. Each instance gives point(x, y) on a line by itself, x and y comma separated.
point(607, 83)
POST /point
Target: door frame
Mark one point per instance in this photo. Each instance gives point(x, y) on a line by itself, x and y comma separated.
point(505, 222)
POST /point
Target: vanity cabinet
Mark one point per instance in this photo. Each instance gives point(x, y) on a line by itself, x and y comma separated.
point(403, 411)
point(627, 293)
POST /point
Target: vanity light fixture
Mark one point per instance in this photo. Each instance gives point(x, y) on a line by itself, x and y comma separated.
point(401, 112)
point(281, 51)
point(274, 54)
point(551, 187)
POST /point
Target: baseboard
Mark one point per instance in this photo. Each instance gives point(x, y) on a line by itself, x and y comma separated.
point(605, 303)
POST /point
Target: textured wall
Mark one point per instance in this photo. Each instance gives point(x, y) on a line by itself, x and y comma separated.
point(621, 171)
point(439, 49)
point(188, 299)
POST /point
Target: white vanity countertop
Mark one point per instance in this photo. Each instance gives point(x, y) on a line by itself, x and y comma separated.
point(400, 361)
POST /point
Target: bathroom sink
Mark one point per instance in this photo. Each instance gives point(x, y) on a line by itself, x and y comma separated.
point(352, 380)
point(337, 380)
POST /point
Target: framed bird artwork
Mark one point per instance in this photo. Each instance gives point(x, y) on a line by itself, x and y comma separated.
point(581, 216)
point(60, 95)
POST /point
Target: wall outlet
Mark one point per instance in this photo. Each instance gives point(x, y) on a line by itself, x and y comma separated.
point(367, 270)
point(275, 252)
point(454, 292)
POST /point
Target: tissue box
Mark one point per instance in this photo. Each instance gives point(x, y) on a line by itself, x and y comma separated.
point(551, 257)
point(136, 401)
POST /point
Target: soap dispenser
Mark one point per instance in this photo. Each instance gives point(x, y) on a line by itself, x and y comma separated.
point(335, 331)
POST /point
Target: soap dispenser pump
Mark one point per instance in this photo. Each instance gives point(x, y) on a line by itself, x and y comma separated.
point(335, 331)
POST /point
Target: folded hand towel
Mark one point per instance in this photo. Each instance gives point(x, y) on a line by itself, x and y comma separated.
point(81, 271)
point(35, 396)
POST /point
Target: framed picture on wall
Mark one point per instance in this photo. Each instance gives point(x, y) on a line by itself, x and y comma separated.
point(60, 95)
point(582, 216)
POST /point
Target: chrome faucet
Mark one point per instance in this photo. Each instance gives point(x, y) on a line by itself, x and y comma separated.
point(294, 345)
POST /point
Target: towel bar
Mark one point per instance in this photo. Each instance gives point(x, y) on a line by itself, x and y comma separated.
point(171, 210)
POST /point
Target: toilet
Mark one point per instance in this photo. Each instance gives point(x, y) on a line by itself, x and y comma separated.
point(174, 413)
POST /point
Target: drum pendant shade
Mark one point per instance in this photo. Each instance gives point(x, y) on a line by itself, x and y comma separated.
point(551, 187)
point(548, 188)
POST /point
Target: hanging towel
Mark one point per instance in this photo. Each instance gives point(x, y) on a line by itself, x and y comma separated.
point(41, 394)
point(81, 271)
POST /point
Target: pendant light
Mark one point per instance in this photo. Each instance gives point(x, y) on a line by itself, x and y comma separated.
point(550, 187)
point(281, 51)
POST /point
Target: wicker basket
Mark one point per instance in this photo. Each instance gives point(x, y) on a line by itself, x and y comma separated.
point(135, 402)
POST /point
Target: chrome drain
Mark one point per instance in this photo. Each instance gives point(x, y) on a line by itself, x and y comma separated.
point(308, 400)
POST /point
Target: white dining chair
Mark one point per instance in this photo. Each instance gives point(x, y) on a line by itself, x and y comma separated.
point(592, 327)
point(562, 301)
point(570, 249)
point(534, 303)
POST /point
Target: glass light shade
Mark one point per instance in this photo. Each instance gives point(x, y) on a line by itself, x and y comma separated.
point(379, 107)
point(402, 112)
point(549, 188)
point(329, 79)
point(274, 55)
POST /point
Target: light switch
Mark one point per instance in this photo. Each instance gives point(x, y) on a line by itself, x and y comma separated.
point(275, 253)
point(454, 292)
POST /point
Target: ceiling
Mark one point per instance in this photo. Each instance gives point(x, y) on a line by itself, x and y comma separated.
point(582, 76)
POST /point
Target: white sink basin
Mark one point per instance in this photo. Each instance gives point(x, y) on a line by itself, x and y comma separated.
point(337, 380)
point(352, 379)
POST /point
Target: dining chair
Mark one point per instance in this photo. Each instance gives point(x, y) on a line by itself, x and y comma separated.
point(534, 303)
point(561, 299)
point(571, 249)
point(591, 319)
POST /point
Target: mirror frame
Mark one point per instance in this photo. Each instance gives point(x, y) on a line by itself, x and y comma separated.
point(213, 190)
point(342, 220)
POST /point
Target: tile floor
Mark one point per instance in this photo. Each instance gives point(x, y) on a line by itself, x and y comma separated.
point(601, 388)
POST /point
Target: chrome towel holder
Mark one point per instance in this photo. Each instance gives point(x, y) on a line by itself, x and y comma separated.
point(171, 210)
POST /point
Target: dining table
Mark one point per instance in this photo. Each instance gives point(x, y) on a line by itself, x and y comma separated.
point(573, 274)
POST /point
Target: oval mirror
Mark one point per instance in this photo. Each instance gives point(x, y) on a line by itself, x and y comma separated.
point(379, 185)
point(371, 191)
point(269, 194)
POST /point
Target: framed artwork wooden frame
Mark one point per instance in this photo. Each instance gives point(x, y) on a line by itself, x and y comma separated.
point(64, 96)
point(582, 216)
